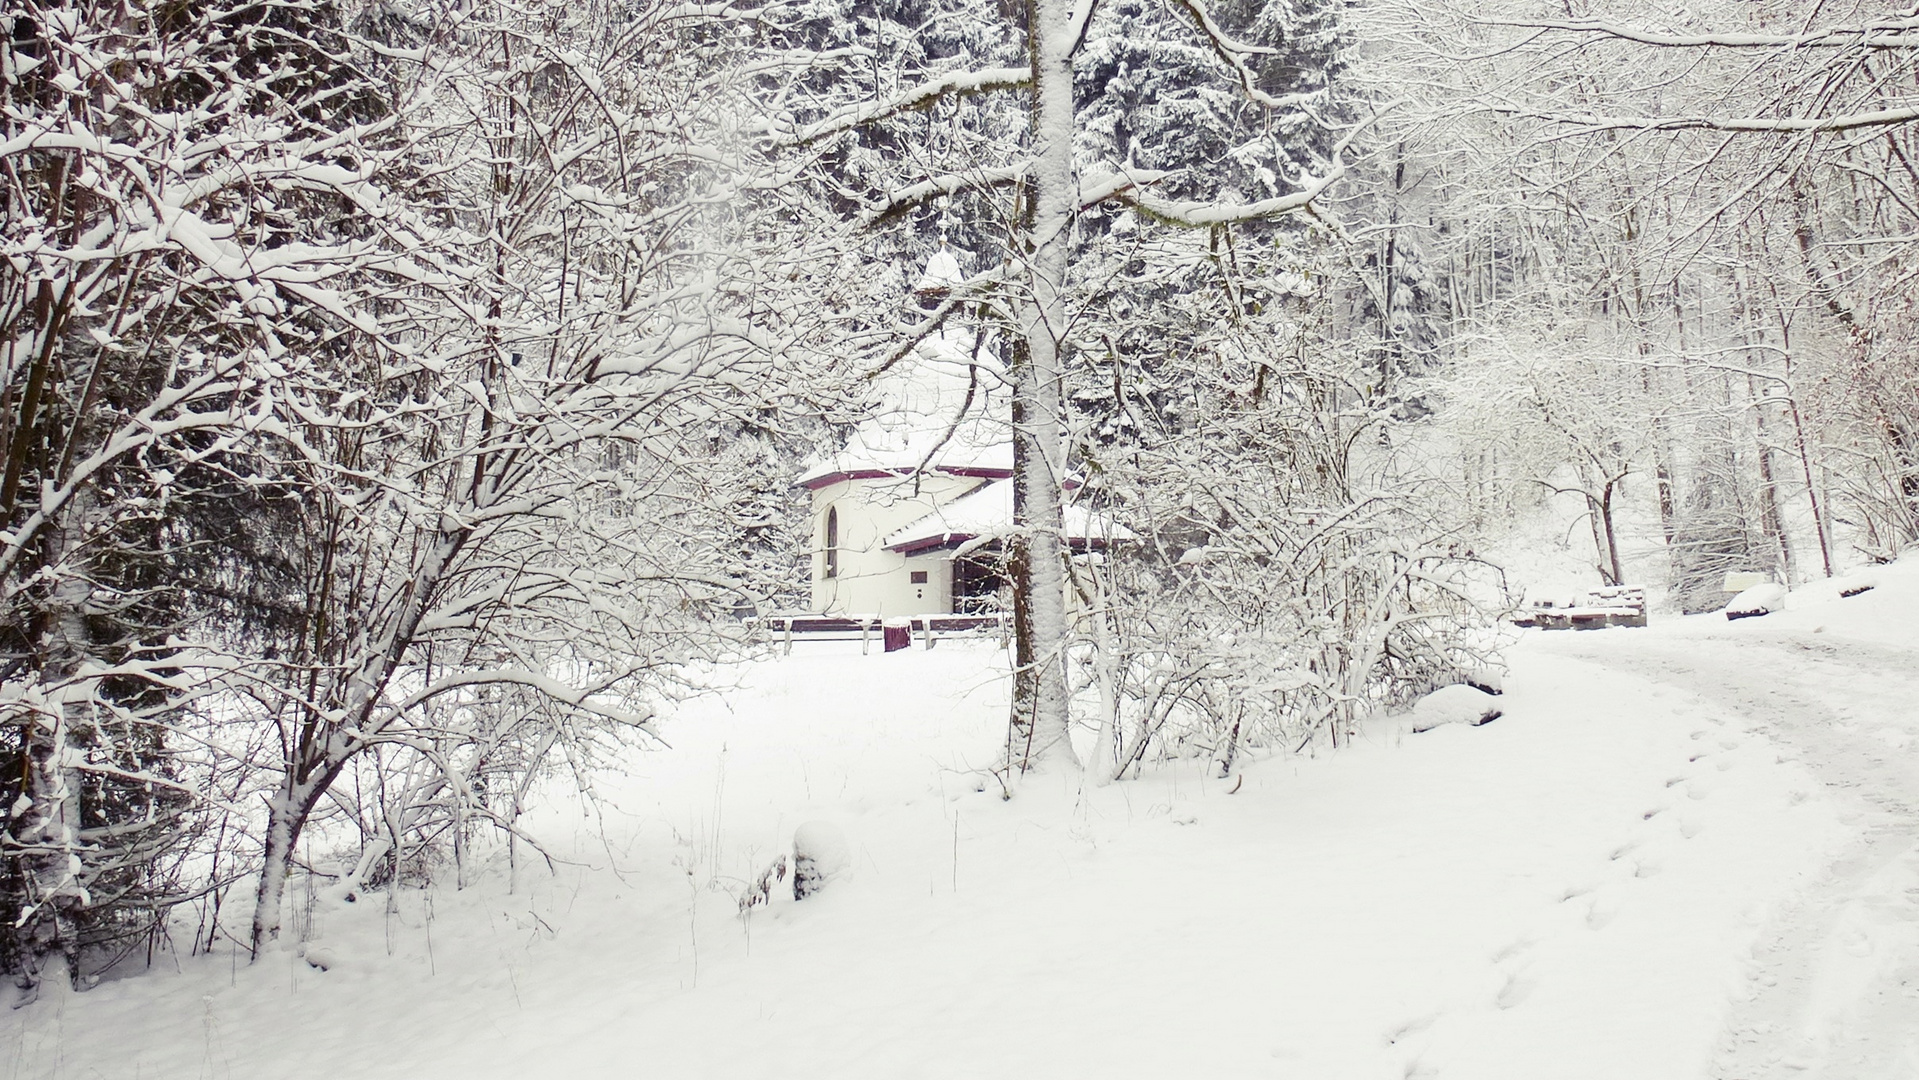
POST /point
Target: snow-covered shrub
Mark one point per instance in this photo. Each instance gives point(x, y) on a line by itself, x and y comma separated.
point(1758, 600)
point(820, 853)
point(1288, 577)
point(1857, 582)
point(1458, 704)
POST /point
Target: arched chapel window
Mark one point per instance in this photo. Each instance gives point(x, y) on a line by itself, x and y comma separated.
point(832, 541)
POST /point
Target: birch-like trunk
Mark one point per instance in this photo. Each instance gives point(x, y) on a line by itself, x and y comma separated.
point(48, 938)
point(1040, 462)
point(55, 739)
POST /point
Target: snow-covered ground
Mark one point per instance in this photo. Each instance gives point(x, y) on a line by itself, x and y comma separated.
point(1683, 851)
point(1831, 681)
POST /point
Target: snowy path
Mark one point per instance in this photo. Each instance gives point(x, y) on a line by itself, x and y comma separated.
point(1835, 988)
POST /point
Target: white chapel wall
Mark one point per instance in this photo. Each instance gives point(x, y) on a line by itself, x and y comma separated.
point(871, 579)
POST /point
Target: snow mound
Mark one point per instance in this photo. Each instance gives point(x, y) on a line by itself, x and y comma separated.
point(1454, 705)
point(1758, 600)
point(1857, 582)
point(820, 854)
point(1490, 679)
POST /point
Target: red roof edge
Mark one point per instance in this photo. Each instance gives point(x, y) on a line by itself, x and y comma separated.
point(932, 543)
point(981, 472)
point(819, 482)
point(953, 540)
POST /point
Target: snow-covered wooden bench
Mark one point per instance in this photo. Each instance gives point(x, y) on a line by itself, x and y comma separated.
point(1608, 605)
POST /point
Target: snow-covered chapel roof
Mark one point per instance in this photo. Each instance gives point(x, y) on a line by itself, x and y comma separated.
point(988, 512)
point(941, 408)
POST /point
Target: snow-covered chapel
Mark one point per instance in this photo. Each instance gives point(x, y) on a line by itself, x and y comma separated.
point(907, 515)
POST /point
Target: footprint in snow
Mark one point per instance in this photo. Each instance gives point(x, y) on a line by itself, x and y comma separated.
point(1604, 908)
point(1518, 988)
point(1857, 942)
point(1515, 947)
point(1407, 1028)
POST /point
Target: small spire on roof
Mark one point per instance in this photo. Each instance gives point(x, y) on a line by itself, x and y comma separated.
point(942, 272)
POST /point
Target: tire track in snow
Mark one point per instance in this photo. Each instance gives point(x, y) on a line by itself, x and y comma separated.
point(1834, 991)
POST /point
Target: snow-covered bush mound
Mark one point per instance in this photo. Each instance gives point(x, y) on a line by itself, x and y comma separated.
point(1454, 705)
point(1758, 600)
point(1857, 582)
point(1490, 679)
point(820, 854)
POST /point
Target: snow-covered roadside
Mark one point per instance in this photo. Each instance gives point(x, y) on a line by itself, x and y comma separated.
point(1834, 989)
point(1571, 890)
point(1630, 972)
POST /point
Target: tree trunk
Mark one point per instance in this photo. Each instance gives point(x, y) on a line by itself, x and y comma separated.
point(47, 937)
point(1662, 456)
point(1605, 536)
point(1019, 561)
point(287, 813)
point(1772, 519)
point(284, 821)
point(1040, 464)
point(324, 750)
point(55, 738)
point(1805, 462)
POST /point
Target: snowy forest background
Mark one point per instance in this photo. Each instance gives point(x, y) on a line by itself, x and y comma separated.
point(400, 399)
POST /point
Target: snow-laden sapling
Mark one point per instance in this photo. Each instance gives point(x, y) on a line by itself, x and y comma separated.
point(819, 855)
point(761, 891)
